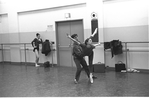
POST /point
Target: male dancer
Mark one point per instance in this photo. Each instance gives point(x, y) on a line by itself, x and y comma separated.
point(78, 59)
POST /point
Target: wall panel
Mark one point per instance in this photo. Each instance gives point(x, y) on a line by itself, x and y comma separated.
point(4, 23)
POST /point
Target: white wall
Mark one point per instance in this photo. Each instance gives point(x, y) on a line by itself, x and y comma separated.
point(4, 23)
point(27, 17)
point(39, 20)
point(148, 32)
point(27, 5)
point(4, 36)
point(124, 13)
point(127, 20)
point(97, 7)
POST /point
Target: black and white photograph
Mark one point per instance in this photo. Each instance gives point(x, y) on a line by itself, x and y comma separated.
point(74, 48)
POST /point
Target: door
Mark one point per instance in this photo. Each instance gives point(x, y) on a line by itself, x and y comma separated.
point(64, 44)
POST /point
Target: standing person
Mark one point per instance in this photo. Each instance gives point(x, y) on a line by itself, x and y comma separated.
point(36, 44)
point(78, 59)
point(88, 51)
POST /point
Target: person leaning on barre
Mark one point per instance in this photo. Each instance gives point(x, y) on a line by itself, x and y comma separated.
point(36, 43)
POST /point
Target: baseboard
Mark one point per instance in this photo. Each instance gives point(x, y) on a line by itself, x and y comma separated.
point(110, 68)
point(23, 63)
point(143, 70)
point(6, 62)
point(41, 64)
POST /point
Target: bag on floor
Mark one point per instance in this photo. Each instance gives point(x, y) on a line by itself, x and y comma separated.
point(120, 66)
point(46, 64)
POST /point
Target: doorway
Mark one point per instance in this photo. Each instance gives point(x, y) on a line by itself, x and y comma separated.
point(64, 45)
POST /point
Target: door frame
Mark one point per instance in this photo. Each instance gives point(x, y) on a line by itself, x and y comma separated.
point(56, 34)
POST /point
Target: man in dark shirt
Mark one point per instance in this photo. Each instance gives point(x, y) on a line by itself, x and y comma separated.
point(79, 60)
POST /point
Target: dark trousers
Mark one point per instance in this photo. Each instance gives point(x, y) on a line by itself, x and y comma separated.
point(90, 61)
point(80, 62)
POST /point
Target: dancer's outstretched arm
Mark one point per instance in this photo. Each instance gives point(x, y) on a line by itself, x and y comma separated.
point(97, 44)
point(94, 32)
point(72, 39)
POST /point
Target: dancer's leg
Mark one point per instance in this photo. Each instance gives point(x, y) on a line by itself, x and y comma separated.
point(37, 57)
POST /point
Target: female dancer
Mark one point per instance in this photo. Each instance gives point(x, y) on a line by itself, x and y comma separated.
point(36, 43)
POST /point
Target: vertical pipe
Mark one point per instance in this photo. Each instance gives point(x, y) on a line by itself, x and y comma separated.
point(2, 54)
point(126, 55)
point(52, 53)
point(25, 52)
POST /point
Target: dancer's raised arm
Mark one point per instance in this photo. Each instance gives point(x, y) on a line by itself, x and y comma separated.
point(72, 39)
point(94, 32)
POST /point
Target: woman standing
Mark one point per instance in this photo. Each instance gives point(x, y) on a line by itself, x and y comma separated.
point(36, 43)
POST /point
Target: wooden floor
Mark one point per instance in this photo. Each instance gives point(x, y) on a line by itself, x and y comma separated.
point(30, 81)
